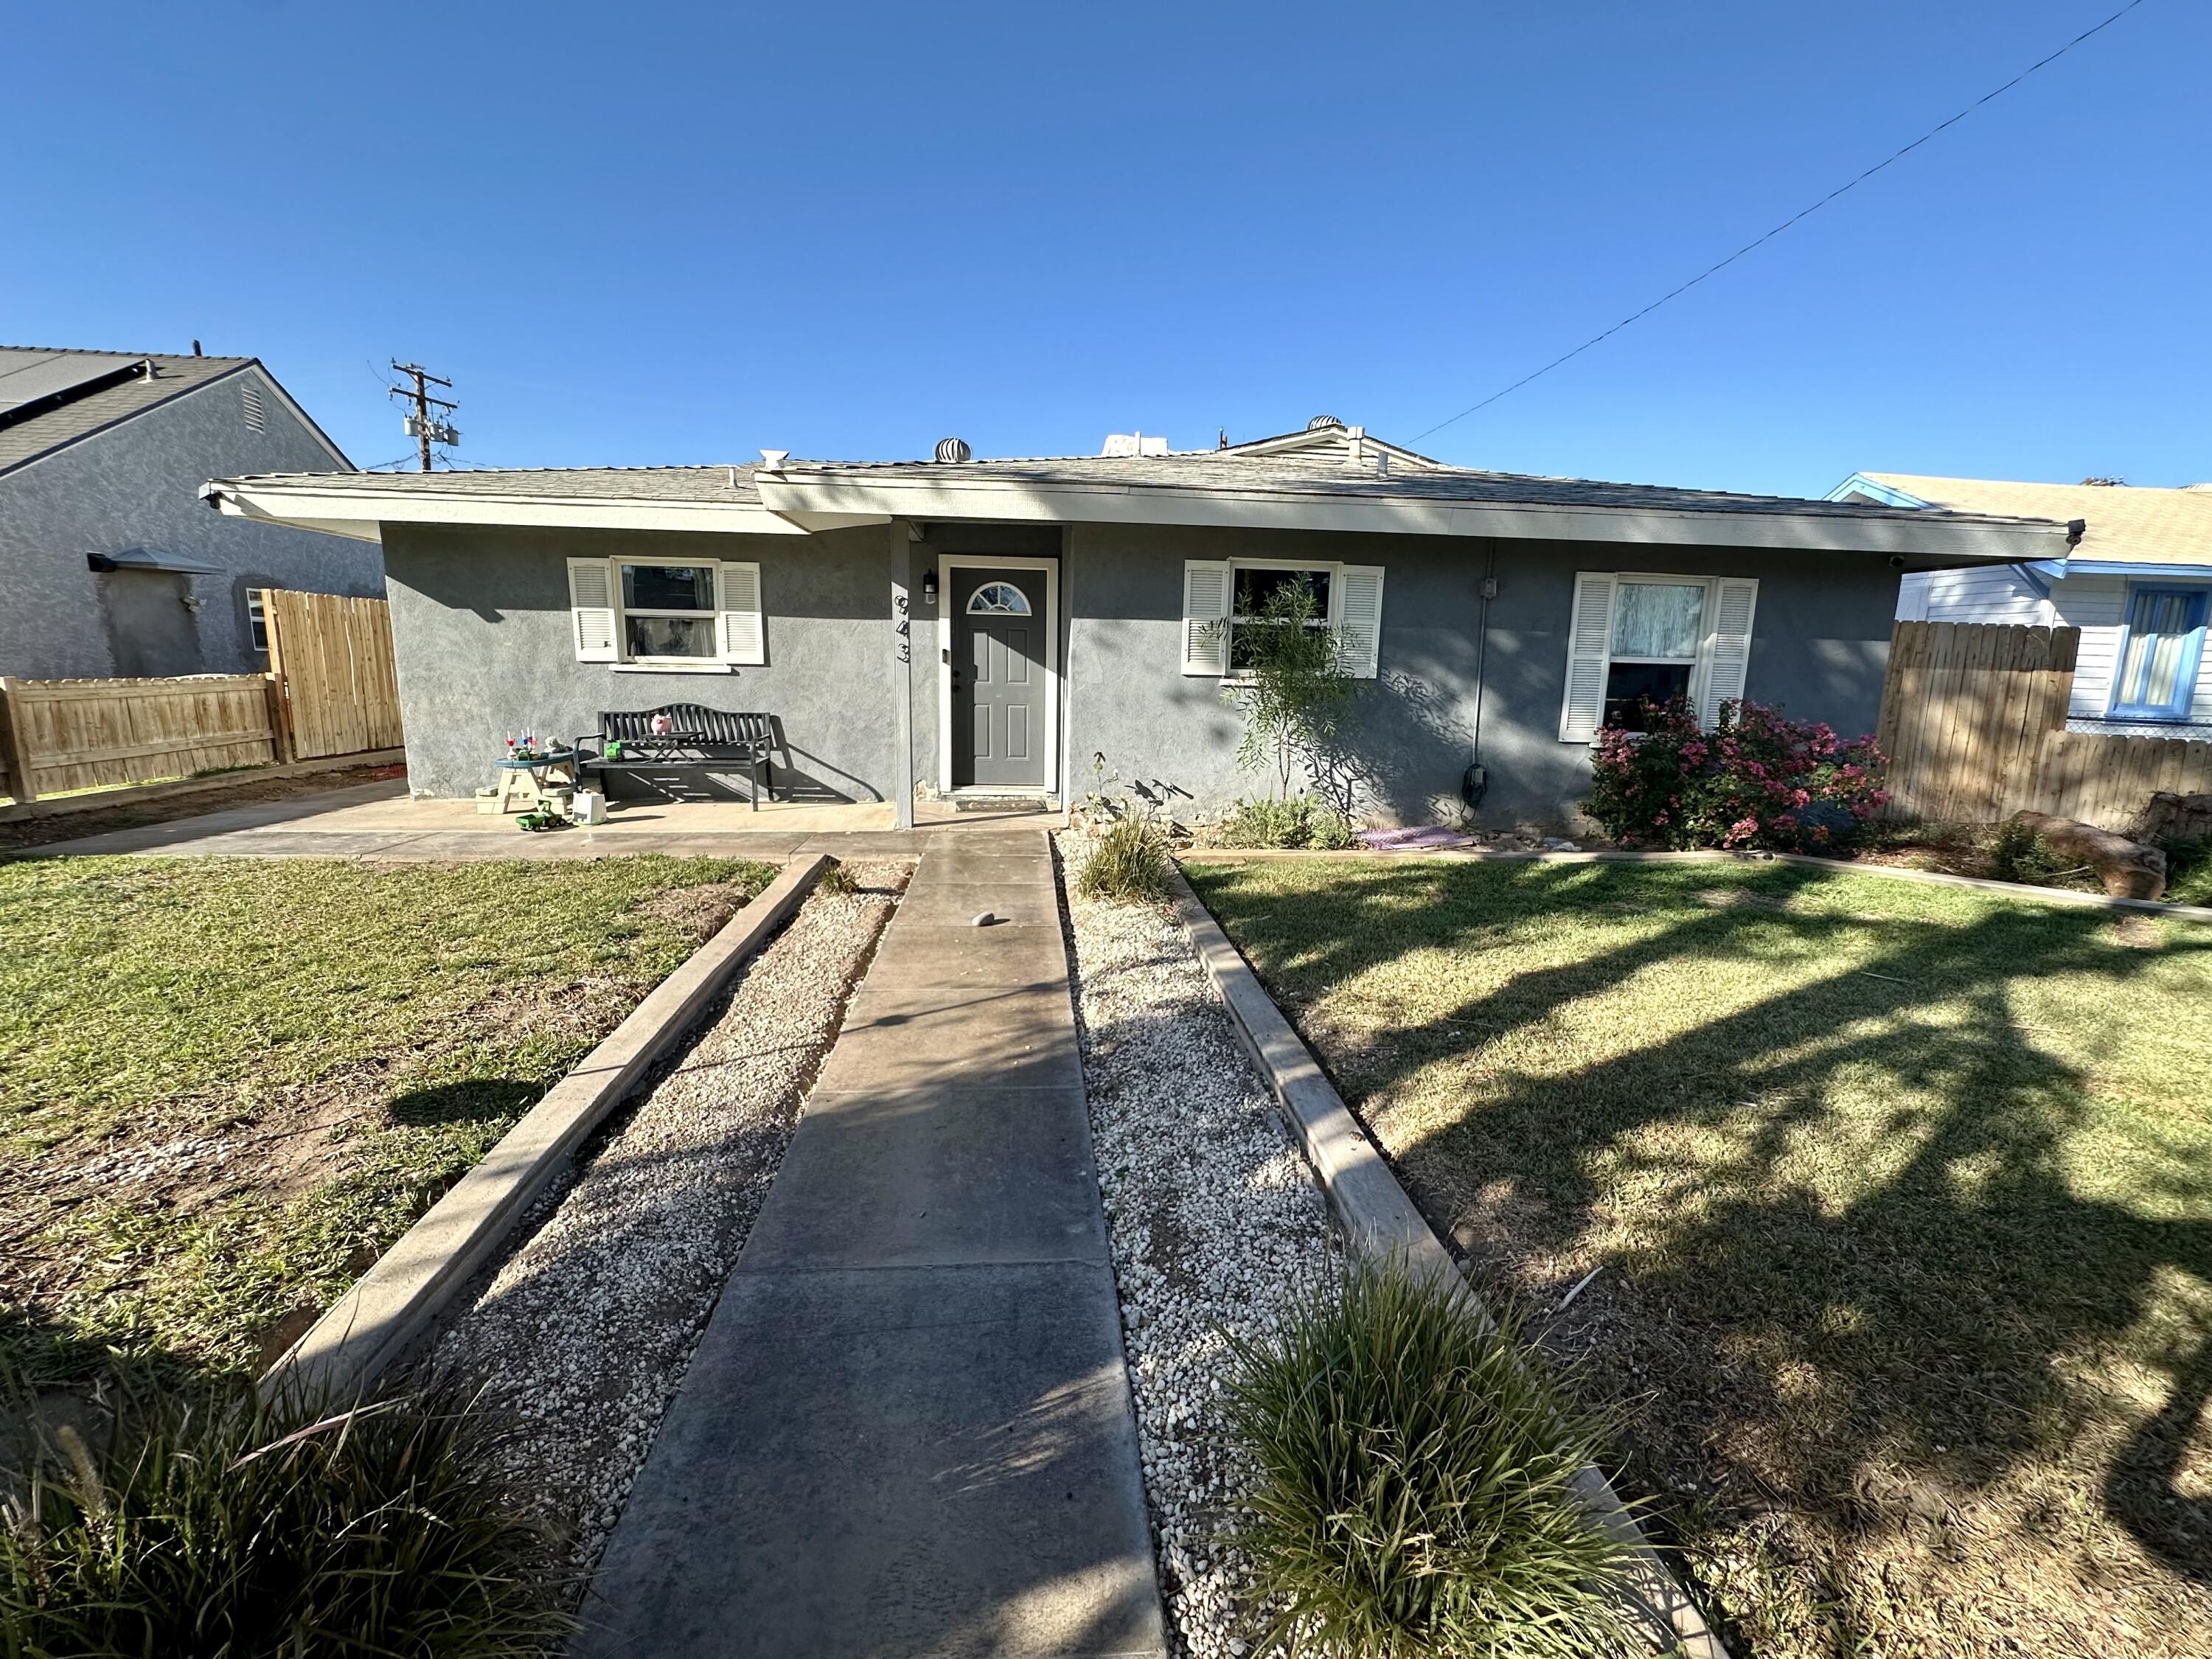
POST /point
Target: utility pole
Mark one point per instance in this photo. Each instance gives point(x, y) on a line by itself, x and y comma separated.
point(423, 426)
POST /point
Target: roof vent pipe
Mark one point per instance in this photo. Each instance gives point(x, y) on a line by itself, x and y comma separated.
point(953, 449)
point(773, 459)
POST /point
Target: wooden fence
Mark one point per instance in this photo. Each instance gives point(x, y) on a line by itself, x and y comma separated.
point(82, 734)
point(1973, 721)
point(330, 661)
point(331, 691)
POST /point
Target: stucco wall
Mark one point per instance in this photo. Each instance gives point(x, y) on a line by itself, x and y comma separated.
point(1819, 646)
point(481, 620)
point(481, 632)
point(135, 486)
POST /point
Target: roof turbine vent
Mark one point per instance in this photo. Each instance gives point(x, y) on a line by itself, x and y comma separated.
point(953, 449)
point(1322, 423)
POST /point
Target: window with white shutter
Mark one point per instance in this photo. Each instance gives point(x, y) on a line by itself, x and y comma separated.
point(591, 609)
point(1205, 616)
point(1224, 601)
point(1727, 646)
point(1638, 640)
point(1358, 618)
point(744, 638)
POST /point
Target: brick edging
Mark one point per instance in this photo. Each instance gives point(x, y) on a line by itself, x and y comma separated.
point(388, 1307)
point(1380, 1218)
point(1714, 855)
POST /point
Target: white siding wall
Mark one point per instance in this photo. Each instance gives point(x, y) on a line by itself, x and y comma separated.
point(1990, 594)
point(2097, 605)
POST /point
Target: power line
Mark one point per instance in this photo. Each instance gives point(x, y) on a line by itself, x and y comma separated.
point(1714, 269)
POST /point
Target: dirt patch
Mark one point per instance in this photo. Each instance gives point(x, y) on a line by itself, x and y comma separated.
point(699, 911)
point(248, 791)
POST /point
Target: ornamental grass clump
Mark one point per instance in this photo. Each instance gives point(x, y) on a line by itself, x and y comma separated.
point(1298, 821)
point(1128, 864)
point(1414, 1491)
point(1755, 780)
point(207, 1523)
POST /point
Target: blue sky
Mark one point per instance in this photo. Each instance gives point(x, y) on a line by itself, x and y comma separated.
point(662, 232)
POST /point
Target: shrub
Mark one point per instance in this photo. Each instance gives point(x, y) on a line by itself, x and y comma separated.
point(1127, 864)
point(1300, 821)
point(837, 881)
point(2017, 853)
point(2189, 871)
point(1292, 684)
point(211, 1523)
point(1414, 1481)
point(1756, 780)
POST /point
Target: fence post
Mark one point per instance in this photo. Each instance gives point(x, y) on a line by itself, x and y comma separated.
point(16, 752)
point(280, 725)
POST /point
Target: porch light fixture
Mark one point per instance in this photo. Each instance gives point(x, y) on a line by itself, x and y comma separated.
point(929, 587)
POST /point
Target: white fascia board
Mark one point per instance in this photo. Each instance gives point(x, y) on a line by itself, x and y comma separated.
point(326, 509)
point(794, 493)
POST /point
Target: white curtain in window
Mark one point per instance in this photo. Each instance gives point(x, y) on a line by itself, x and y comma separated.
point(2158, 634)
point(1658, 619)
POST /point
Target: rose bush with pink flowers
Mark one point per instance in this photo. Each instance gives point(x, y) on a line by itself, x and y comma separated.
point(1756, 780)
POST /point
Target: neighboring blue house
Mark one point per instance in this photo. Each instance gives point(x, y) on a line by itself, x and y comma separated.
point(111, 563)
point(986, 627)
point(2137, 581)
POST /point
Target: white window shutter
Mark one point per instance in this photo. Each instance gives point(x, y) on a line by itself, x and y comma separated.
point(745, 640)
point(1728, 647)
point(1206, 588)
point(1589, 656)
point(1358, 595)
point(591, 609)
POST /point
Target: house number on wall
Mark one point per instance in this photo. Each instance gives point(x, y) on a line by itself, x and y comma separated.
point(902, 627)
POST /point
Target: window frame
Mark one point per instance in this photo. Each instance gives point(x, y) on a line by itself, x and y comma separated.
point(257, 621)
point(2181, 710)
point(1693, 690)
point(624, 612)
point(1333, 568)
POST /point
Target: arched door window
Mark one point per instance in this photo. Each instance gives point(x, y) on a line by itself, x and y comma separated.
point(999, 599)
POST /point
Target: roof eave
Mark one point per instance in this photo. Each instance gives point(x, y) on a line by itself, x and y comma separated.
point(360, 512)
point(1926, 541)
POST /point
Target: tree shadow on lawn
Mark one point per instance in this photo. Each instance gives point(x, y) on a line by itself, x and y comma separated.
point(1900, 1293)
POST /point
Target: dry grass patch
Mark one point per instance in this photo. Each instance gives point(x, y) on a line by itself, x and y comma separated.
point(226, 1086)
point(1904, 1199)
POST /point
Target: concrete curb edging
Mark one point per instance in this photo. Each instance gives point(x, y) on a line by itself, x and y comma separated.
point(1714, 856)
point(1379, 1218)
point(372, 1323)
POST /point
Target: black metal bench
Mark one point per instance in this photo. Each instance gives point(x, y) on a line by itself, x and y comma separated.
point(698, 740)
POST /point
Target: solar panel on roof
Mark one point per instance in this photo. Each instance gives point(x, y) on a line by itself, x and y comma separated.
point(28, 376)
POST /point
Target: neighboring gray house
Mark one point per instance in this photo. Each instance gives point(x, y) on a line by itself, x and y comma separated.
point(989, 626)
point(2137, 581)
point(113, 565)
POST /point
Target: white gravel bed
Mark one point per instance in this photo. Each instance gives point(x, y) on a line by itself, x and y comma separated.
point(584, 1332)
point(1215, 1223)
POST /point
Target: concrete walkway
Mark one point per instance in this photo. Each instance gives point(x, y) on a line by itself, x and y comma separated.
point(907, 1430)
point(379, 822)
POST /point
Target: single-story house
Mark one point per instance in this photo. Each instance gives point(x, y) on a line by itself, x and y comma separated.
point(990, 626)
point(110, 563)
point(2137, 582)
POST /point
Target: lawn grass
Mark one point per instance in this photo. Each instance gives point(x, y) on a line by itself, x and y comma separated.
point(1903, 1195)
point(226, 1086)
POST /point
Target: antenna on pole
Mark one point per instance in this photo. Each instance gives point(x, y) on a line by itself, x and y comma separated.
point(423, 426)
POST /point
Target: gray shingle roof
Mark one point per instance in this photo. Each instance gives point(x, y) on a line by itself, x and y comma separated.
point(609, 483)
point(1294, 475)
point(1280, 476)
point(24, 440)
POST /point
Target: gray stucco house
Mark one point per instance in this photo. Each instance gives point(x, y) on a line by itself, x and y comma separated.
point(989, 626)
point(113, 564)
